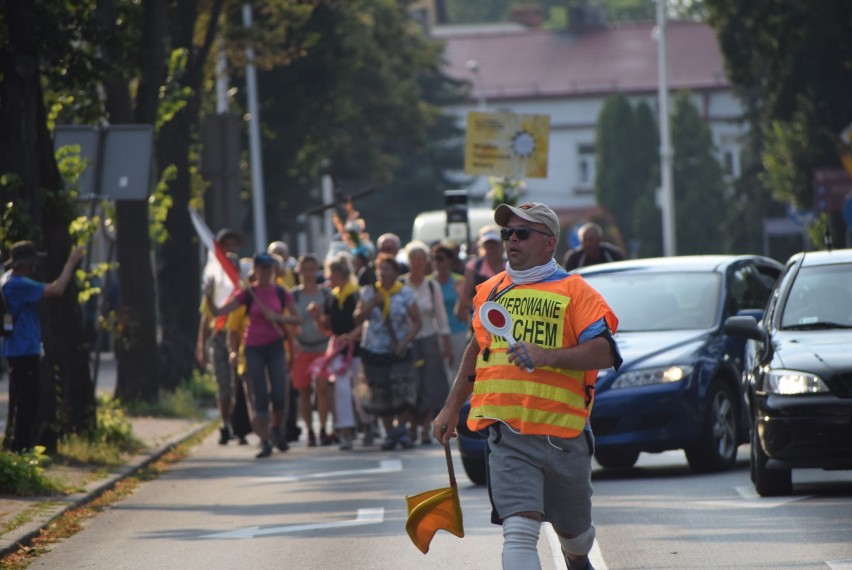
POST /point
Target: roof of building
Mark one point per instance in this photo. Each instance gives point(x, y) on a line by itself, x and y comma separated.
point(623, 57)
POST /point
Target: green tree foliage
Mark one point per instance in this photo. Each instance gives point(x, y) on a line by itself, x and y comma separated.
point(646, 229)
point(622, 166)
point(628, 175)
point(35, 203)
point(363, 102)
point(699, 187)
point(794, 58)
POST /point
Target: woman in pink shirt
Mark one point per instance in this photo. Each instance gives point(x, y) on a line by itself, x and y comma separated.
point(264, 348)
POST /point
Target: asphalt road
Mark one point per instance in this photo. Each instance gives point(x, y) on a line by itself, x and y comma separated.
point(322, 508)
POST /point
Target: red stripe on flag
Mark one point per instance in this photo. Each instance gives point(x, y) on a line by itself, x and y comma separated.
point(206, 237)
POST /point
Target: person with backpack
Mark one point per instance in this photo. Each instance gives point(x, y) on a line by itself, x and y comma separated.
point(22, 348)
point(265, 303)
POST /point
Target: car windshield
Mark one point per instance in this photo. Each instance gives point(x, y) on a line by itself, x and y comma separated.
point(820, 298)
point(660, 301)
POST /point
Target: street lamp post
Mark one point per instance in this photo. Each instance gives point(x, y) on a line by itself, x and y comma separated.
point(258, 200)
point(479, 82)
point(666, 197)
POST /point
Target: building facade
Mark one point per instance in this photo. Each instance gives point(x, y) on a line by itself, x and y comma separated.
point(568, 74)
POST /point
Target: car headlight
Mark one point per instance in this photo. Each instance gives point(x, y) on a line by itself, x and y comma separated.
point(794, 382)
point(651, 376)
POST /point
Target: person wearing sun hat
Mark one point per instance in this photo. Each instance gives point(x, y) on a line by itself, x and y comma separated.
point(535, 396)
point(23, 349)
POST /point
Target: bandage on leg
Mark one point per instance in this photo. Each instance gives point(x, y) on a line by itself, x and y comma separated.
point(581, 544)
point(520, 543)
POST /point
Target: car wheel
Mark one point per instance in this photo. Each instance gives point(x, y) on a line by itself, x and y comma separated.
point(716, 448)
point(475, 469)
point(768, 482)
point(616, 458)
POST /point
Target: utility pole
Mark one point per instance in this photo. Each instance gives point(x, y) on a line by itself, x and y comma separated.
point(258, 201)
point(666, 196)
point(479, 83)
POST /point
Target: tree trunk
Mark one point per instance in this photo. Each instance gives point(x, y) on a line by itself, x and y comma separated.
point(26, 150)
point(179, 269)
point(137, 358)
point(138, 364)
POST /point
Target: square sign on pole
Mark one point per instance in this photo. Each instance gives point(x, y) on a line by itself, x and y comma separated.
point(127, 162)
point(88, 138)
point(507, 144)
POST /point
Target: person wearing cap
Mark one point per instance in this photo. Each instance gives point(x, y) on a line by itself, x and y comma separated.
point(489, 263)
point(592, 249)
point(263, 347)
point(211, 346)
point(23, 348)
point(535, 396)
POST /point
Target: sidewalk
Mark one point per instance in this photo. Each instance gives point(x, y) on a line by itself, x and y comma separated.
point(158, 434)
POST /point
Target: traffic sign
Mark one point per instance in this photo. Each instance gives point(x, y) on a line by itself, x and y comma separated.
point(497, 320)
point(507, 144)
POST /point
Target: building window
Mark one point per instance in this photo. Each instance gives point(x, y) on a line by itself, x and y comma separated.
point(731, 161)
point(585, 166)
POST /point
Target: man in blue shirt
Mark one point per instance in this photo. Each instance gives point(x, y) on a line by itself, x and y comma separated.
point(23, 348)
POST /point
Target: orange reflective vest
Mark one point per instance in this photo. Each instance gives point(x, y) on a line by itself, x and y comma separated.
point(549, 400)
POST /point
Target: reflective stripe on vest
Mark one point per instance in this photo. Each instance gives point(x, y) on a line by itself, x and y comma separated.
point(547, 401)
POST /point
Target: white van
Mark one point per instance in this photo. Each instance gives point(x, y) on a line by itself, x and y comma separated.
point(431, 227)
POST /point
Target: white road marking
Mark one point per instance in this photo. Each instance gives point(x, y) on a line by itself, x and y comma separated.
point(385, 466)
point(595, 555)
point(840, 564)
point(752, 500)
point(364, 517)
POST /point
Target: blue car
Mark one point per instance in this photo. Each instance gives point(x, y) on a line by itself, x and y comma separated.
point(680, 384)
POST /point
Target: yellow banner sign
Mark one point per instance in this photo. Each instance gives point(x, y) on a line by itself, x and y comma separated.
point(506, 144)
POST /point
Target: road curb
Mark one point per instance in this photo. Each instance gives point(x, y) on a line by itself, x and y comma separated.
point(24, 534)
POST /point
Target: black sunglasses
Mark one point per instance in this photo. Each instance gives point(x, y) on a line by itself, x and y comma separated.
point(521, 233)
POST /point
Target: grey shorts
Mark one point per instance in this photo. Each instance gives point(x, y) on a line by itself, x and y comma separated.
point(546, 475)
point(217, 356)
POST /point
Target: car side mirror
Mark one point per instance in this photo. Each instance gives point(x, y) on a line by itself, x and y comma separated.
point(748, 327)
point(744, 326)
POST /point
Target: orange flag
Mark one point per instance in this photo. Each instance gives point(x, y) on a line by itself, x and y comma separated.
point(434, 510)
point(431, 511)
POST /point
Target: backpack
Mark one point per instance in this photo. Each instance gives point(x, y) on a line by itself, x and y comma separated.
point(8, 318)
point(282, 296)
